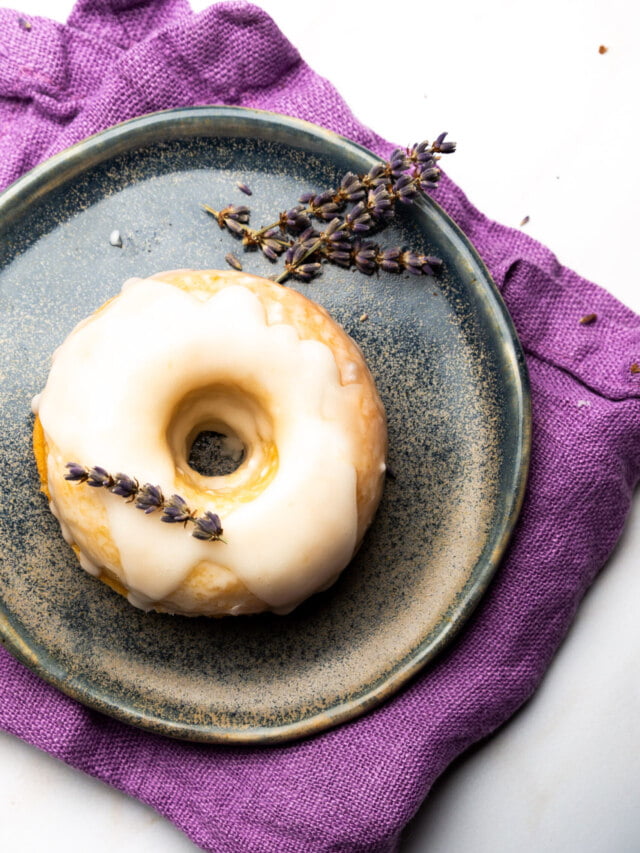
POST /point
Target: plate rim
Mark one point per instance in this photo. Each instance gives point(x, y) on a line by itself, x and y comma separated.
point(24, 192)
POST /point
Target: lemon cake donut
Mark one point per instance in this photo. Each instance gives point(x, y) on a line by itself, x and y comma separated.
point(185, 352)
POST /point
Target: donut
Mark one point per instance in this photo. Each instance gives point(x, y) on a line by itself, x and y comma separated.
point(176, 355)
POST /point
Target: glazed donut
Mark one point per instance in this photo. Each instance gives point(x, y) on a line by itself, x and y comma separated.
point(185, 352)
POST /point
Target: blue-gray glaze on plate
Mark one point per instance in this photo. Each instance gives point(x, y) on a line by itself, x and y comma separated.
point(448, 367)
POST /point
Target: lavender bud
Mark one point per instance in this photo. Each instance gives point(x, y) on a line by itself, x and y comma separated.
point(364, 257)
point(340, 256)
point(99, 478)
point(388, 259)
point(412, 262)
point(77, 473)
point(308, 234)
point(339, 242)
point(233, 261)
point(398, 162)
point(330, 231)
point(305, 198)
point(322, 198)
point(307, 271)
point(208, 527)
point(327, 211)
point(306, 242)
point(333, 236)
point(421, 152)
point(376, 175)
point(431, 265)
point(294, 255)
point(124, 486)
point(312, 244)
point(428, 177)
point(295, 220)
point(351, 188)
point(430, 173)
point(443, 147)
point(379, 203)
point(271, 249)
point(404, 189)
point(434, 262)
point(176, 511)
point(239, 213)
point(358, 219)
point(149, 498)
point(244, 188)
point(426, 163)
point(235, 227)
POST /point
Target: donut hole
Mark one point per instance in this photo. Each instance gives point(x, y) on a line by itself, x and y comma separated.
point(216, 454)
point(220, 438)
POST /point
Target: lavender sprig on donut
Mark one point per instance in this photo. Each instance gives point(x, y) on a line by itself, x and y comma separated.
point(149, 498)
point(362, 204)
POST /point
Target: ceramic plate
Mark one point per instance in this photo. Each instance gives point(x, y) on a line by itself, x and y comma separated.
point(447, 365)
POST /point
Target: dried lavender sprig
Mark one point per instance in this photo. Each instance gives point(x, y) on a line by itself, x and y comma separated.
point(387, 184)
point(353, 188)
point(357, 220)
point(374, 195)
point(324, 206)
point(340, 243)
point(149, 498)
point(369, 257)
point(235, 218)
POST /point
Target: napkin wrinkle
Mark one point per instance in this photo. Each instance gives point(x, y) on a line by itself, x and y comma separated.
point(205, 49)
point(34, 60)
point(547, 310)
point(126, 22)
point(546, 301)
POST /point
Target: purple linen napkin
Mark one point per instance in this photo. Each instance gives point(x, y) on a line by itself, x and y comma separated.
point(353, 788)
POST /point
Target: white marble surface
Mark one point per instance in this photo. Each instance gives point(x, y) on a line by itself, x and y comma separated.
point(547, 128)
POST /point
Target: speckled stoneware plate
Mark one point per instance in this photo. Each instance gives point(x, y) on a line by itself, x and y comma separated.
point(449, 370)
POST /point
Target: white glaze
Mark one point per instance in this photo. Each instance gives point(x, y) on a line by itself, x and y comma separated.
point(351, 372)
point(64, 528)
point(111, 392)
point(88, 566)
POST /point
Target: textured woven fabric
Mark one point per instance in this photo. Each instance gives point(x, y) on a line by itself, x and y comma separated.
point(353, 788)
